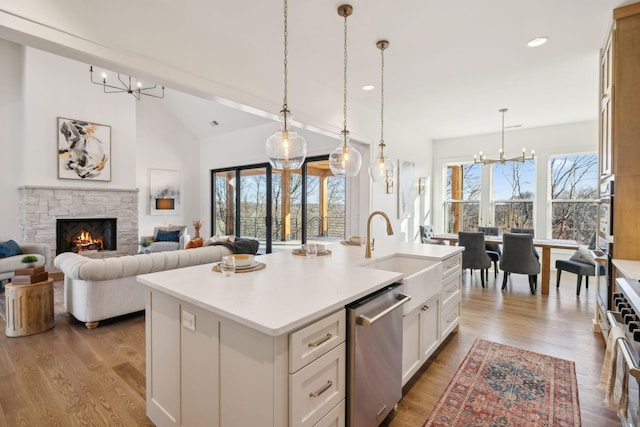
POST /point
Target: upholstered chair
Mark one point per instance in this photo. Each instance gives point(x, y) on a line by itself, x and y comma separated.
point(531, 231)
point(474, 256)
point(493, 249)
point(519, 256)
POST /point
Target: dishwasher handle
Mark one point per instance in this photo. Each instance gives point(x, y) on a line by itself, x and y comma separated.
point(368, 321)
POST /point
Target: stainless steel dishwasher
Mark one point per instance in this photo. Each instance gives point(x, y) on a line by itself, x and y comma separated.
point(374, 352)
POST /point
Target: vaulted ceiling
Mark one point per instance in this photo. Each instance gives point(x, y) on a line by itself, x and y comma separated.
point(450, 66)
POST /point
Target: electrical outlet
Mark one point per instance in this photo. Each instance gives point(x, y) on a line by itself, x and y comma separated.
point(189, 320)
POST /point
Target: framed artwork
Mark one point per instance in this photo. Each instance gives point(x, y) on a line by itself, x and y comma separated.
point(164, 191)
point(406, 188)
point(84, 150)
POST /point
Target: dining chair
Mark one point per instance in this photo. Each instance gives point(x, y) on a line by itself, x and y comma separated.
point(519, 256)
point(526, 231)
point(426, 234)
point(493, 249)
point(474, 256)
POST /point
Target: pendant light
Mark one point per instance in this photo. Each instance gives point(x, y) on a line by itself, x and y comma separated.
point(381, 170)
point(345, 160)
point(285, 148)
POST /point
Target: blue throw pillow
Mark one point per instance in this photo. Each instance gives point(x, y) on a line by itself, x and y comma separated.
point(168, 236)
point(9, 248)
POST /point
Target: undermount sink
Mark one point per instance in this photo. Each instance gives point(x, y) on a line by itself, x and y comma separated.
point(421, 277)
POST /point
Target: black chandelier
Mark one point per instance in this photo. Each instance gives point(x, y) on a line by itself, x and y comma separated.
point(129, 85)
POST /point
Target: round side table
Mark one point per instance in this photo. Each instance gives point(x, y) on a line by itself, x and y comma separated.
point(29, 308)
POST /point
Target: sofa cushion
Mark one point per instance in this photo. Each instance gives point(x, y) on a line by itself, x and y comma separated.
point(9, 248)
point(168, 236)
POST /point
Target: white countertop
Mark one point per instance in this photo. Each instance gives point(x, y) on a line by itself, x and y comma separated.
point(292, 290)
point(628, 268)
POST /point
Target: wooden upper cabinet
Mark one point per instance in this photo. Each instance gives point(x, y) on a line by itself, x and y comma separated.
point(625, 109)
point(606, 75)
point(620, 127)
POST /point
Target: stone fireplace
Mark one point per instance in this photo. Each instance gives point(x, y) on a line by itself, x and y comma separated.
point(86, 235)
point(42, 208)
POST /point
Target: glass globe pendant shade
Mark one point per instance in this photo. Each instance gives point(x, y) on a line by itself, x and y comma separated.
point(286, 149)
point(382, 169)
point(345, 160)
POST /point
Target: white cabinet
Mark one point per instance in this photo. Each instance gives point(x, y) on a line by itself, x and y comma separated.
point(421, 336)
point(432, 319)
point(317, 372)
point(451, 296)
point(201, 366)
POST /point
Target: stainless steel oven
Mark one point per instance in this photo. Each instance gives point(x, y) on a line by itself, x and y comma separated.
point(626, 303)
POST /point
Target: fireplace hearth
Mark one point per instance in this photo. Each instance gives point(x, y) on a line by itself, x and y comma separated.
point(86, 235)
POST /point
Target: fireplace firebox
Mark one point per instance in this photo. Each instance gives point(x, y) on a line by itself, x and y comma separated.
point(86, 235)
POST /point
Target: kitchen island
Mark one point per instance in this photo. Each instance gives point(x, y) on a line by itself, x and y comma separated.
point(257, 348)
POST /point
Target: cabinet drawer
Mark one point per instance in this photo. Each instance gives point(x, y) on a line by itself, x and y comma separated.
point(451, 265)
point(450, 317)
point(335, 417)
point(317, 388)
point(451, 288)
point(311, 342)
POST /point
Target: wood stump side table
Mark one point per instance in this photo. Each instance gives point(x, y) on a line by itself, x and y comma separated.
point(29, 308)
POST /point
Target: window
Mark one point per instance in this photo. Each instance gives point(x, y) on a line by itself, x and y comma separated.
point(574, 203)
point(279, 208)
point(513, 194)
point(462, 200)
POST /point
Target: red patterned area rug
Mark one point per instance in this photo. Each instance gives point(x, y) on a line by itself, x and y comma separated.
point(500, 385)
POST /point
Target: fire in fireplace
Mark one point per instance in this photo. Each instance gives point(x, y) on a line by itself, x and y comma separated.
point(86, 235)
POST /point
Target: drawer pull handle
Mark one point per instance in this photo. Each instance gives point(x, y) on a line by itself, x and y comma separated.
point(425, 307)
point(320, 341)
point(322, 390)
point(453, 317)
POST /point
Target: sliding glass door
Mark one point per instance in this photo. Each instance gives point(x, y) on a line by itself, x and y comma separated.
point(279, 208)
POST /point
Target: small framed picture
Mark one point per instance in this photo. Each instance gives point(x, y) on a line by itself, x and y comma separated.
point(84, 150)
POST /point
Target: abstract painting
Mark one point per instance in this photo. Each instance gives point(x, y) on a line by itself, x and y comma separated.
point(406, 188)
point(84, 150)
point(164, 184)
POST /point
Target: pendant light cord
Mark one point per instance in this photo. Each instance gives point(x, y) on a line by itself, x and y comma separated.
point(286, 34)
point(382, 98)
point(345, 80)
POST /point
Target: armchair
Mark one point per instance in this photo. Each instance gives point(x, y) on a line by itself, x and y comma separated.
point(168, 238)
point(13, 256)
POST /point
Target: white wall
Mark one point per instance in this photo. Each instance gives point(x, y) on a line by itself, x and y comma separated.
point(573, 138)
point(59, 87)
point(37, 87)
point(164, 143)
point(11, 141)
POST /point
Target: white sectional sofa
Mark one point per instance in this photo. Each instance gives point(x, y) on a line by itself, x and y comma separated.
point(98, 289)
point(7, 265)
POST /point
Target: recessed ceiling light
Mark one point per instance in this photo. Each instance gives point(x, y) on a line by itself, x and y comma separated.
point(538, 41)
point(368, 87)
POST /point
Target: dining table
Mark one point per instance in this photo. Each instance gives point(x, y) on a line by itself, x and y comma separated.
point(545, 244)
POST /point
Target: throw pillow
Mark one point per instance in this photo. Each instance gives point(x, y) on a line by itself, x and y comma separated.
point(9, 248)
point(195, 243)
point(583, 255)
point(168, 236)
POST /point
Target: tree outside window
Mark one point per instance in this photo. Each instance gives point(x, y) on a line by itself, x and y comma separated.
point(514, 186)
point(462, 205)
point(574, 193)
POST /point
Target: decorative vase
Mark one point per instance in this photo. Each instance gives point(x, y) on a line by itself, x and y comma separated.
point(29, 264)
point(197, 235)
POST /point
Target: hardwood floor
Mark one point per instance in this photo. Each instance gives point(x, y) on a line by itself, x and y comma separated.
point(558, 324)
point(72, 376)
